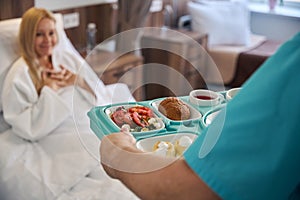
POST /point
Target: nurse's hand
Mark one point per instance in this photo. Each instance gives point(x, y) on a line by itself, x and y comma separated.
point(150, 176)
point(113, 150)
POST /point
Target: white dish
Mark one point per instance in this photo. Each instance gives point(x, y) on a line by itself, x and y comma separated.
point(203, 97)
point(195, 114)
point(231, 93)
point(148, 143)
point(211, 115)
point(109, 111)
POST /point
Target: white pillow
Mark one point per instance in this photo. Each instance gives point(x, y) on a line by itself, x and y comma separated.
point(9, 51)
point(225, 22)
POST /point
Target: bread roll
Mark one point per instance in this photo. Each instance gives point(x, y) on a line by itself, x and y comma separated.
point(174, 109)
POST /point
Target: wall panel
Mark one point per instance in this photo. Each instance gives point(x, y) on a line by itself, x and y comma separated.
point(104, 15)
point(14, 8)
point(101, 15)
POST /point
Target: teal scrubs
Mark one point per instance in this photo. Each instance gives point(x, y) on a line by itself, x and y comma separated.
point(252, 148)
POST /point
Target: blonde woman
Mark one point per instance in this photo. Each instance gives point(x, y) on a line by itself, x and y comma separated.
point(38, 83)
point(45, 88)
point(37, 42)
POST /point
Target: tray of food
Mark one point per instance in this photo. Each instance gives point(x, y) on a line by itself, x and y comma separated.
point(164, 126)
point(136, 117)
point(156, 117)
point(147, 118)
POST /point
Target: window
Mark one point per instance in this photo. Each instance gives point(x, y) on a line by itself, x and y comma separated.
point(292, 3)
point(284, 3)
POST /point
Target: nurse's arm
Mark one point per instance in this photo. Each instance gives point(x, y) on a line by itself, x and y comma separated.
point(150, 176)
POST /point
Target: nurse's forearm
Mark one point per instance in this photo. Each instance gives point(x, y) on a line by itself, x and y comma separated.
point(150, 176)
point(175, 181)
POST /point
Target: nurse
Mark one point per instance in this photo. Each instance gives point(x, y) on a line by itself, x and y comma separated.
point(253, 149)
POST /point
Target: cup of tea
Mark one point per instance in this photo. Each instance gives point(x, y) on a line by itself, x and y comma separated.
point(202, 97)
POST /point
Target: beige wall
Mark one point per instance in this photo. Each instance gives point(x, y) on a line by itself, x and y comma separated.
point(67, 4)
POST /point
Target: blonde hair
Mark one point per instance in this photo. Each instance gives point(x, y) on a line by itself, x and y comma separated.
point(27, 34)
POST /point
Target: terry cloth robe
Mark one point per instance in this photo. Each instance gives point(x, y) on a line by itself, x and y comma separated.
point(50, 148)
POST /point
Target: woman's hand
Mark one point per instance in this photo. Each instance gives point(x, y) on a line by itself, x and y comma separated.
point(48, 81)
point(64, 77)
point(58, 79)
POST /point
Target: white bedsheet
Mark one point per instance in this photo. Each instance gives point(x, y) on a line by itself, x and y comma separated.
point(63, 165)
point(53, 168)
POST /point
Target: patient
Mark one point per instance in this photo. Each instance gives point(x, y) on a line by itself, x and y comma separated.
point(35, 84)
point(42, 156)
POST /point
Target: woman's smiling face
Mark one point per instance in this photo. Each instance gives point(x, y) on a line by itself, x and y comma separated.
point(45, 38)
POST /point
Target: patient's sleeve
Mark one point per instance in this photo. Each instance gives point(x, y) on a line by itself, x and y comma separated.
point(78, 65)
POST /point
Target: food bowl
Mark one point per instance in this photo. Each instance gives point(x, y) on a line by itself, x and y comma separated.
point(175, 143)
point(135, 118)
point(202, 97)
point(231, 93)
point(211, 115)
point(194, 114)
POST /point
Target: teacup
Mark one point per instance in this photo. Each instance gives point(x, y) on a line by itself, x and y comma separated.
point(202, 97)
point(231, 93)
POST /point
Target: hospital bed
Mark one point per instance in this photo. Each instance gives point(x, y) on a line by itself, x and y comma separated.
point(65, 164)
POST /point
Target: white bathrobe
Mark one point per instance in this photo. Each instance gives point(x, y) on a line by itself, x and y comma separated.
point(50, 150)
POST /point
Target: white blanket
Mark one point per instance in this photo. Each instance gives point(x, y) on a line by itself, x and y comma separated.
point(60, 166)
point(57, 167)
point(60, 162)
point(63, 161)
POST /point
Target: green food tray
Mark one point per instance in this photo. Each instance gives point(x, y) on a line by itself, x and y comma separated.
point(102, 124)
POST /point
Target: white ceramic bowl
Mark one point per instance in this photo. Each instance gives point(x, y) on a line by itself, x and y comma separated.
point(195, 114)
point(211, 115)
point(231, 93)
point(148, 143)
point(204, 97)
point(112, 109)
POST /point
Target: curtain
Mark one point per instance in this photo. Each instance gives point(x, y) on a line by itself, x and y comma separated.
point(131, 15)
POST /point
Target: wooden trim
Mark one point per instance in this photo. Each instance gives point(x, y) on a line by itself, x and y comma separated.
point(101, 15)
point(14, 8)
